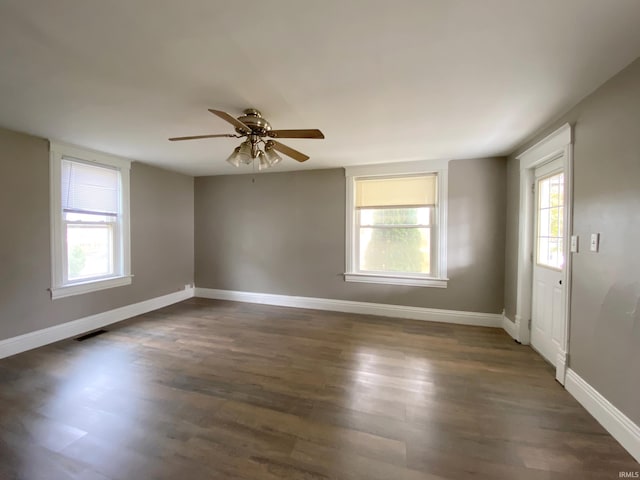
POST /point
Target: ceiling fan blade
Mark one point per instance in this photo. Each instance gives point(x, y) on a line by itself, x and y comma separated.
point(308, 133)
point(290, 152)
point(233, 121)
point(196, 137)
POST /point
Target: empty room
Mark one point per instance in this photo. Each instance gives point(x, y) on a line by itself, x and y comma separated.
point(364, 240)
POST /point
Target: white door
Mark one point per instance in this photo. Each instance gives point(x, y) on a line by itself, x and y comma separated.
point(547, 309)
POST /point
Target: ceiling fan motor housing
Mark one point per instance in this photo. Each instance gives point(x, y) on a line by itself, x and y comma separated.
point(253, 119)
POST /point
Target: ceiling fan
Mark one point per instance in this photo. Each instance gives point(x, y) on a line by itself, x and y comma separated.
point(260, 141)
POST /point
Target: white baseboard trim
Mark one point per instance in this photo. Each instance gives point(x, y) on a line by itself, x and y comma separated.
point(510, 327)
point(348, 306)
point(613, 420)
point(31, 340)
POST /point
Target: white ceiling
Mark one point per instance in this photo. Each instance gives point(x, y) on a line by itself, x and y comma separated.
point(384, 80)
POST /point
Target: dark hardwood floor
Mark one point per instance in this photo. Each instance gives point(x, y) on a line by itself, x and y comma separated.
point(221, 390)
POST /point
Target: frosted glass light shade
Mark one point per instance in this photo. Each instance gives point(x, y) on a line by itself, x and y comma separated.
point(234, 158)
point(263, 162)
point(272, 157)
point(245, 153)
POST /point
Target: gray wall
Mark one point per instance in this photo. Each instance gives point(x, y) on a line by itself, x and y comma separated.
point(285, 234)
point(511, 247)
point(604, 346)
point(161, 239)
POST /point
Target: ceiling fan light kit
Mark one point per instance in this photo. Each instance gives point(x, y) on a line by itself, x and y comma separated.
point(258, 144)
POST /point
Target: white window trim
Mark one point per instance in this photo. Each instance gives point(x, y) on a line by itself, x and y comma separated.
point(439, 167)
point(58, 288)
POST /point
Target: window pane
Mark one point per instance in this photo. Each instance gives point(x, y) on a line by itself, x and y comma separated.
point(89, 251)
point(394, 216)
point(543, 192)
point(554, 222)
point(560, 221)
point(543, 223)
point(543, 251)
point(406, 250)
point(556, 257)
point(556, 195)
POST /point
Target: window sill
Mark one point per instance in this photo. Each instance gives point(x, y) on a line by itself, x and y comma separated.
point(396, 280)
point(90, 286)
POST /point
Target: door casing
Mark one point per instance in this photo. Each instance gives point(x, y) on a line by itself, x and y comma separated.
point(558, 144)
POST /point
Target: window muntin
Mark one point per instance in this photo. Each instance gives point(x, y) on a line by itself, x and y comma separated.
point(550, 225)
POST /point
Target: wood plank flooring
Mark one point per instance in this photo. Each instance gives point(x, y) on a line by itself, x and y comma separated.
point(221, 390)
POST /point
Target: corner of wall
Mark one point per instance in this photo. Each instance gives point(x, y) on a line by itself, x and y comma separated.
point(510, 326)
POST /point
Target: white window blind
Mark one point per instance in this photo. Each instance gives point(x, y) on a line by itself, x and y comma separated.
point(402, 192)
point(89, 189)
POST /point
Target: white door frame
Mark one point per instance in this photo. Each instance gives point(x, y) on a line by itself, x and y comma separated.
point(559, 144)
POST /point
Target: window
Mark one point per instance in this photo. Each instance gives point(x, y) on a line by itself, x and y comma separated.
point(549, 238)
point(90, 227)
point(396, 226)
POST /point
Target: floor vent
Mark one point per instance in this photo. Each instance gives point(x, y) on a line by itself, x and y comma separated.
point(91, 335)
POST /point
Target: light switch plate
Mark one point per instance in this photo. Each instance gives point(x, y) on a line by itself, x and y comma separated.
point(574, 243)
point(594, 246)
